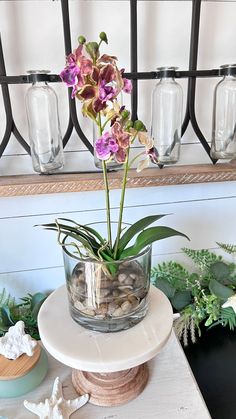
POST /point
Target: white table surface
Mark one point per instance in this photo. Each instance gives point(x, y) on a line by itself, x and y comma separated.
point(171, 392)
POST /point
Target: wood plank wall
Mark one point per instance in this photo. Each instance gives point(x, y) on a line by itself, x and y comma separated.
point(31, 259)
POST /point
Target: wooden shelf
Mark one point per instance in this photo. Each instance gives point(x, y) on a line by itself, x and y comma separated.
point(78, 182)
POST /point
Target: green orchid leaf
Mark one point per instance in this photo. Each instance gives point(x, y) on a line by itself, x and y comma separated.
point(65, 229)
point(86, 243)
point(6, 316)
point(219, 290)
point(181, 299)
point(112, 267)
point(149, 236)
point(165, 287)
point(220, 271)
point(136, 228)
point(86, 228)
point(77, 237)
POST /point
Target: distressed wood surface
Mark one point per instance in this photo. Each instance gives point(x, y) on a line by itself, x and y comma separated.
point(171, 392)
point(61, 183)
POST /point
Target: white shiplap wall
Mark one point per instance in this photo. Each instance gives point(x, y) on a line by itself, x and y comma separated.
point(31, 31)
point(30, 258)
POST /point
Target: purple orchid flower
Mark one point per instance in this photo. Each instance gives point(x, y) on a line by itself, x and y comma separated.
point(69, 74)
point(122, 137)
point(106, 92)
point(127, 88)
point(153, 154)
point(105, 146)
point(120, 156)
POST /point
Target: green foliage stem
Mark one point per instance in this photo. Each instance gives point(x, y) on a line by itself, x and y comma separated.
point(199, 296)
point(26, 310)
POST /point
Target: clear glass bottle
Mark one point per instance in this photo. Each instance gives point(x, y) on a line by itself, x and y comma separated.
point(167, 104)
point(44, 126)
point(223, 144)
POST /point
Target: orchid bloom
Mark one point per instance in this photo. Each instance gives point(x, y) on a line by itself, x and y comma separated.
point(113, 144)
point(127, 88)
point(77, 68)
point(150, 152)
point(106, 146)
point(122, 137)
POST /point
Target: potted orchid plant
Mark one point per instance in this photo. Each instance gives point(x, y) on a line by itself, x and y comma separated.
point(108, 278)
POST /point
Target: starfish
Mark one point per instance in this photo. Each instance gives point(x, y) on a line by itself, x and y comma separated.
point(15, 342)
point(56, 407)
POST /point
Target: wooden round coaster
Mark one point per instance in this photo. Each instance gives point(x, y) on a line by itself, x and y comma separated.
point(11, 369)
point(111, 389)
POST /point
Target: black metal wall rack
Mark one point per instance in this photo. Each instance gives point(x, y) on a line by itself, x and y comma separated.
point(192, 74)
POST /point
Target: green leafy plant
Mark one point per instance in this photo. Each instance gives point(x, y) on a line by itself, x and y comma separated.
point(96, 81)
point(26, 310)
point(229, 248)
point(205, 297)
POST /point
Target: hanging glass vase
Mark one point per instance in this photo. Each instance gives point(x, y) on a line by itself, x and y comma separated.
point(167, 103)
point(223, 145)
point(44, 126)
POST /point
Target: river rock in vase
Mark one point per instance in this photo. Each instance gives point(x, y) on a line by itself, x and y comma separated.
point(108, 296)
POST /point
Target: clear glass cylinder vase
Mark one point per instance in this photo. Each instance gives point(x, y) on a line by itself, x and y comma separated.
point(44, 126)
point(108, 296)
point(223, 144)
point(167, 104)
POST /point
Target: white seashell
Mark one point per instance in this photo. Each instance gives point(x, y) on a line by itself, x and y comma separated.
point(15, 342)
point(56, 407)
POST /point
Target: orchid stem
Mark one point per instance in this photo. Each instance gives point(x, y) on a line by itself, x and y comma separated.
point(122, 199)
point(104, 168)
point(106, 122)
point(135, 158)
point(107, 192)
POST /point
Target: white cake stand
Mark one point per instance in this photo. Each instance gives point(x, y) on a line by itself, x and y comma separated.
point(111, 367)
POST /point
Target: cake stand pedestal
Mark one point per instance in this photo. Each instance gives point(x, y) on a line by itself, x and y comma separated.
point(111, 367)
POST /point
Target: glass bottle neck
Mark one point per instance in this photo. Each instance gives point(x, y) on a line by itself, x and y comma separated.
point(39, 83)
point(167, 79)
point(229, 77)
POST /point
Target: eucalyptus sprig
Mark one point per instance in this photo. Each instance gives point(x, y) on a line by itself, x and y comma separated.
point(26, 310)
point(206, 297)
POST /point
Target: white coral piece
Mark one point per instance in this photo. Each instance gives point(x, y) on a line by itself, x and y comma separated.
point(56, 407)
point(16, 343)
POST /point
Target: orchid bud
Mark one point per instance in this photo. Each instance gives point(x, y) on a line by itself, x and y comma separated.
point(125, 114)
point(129, 125)
point(103, 37)
point(139, 126)
point(81, 40)
point(93, 50)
